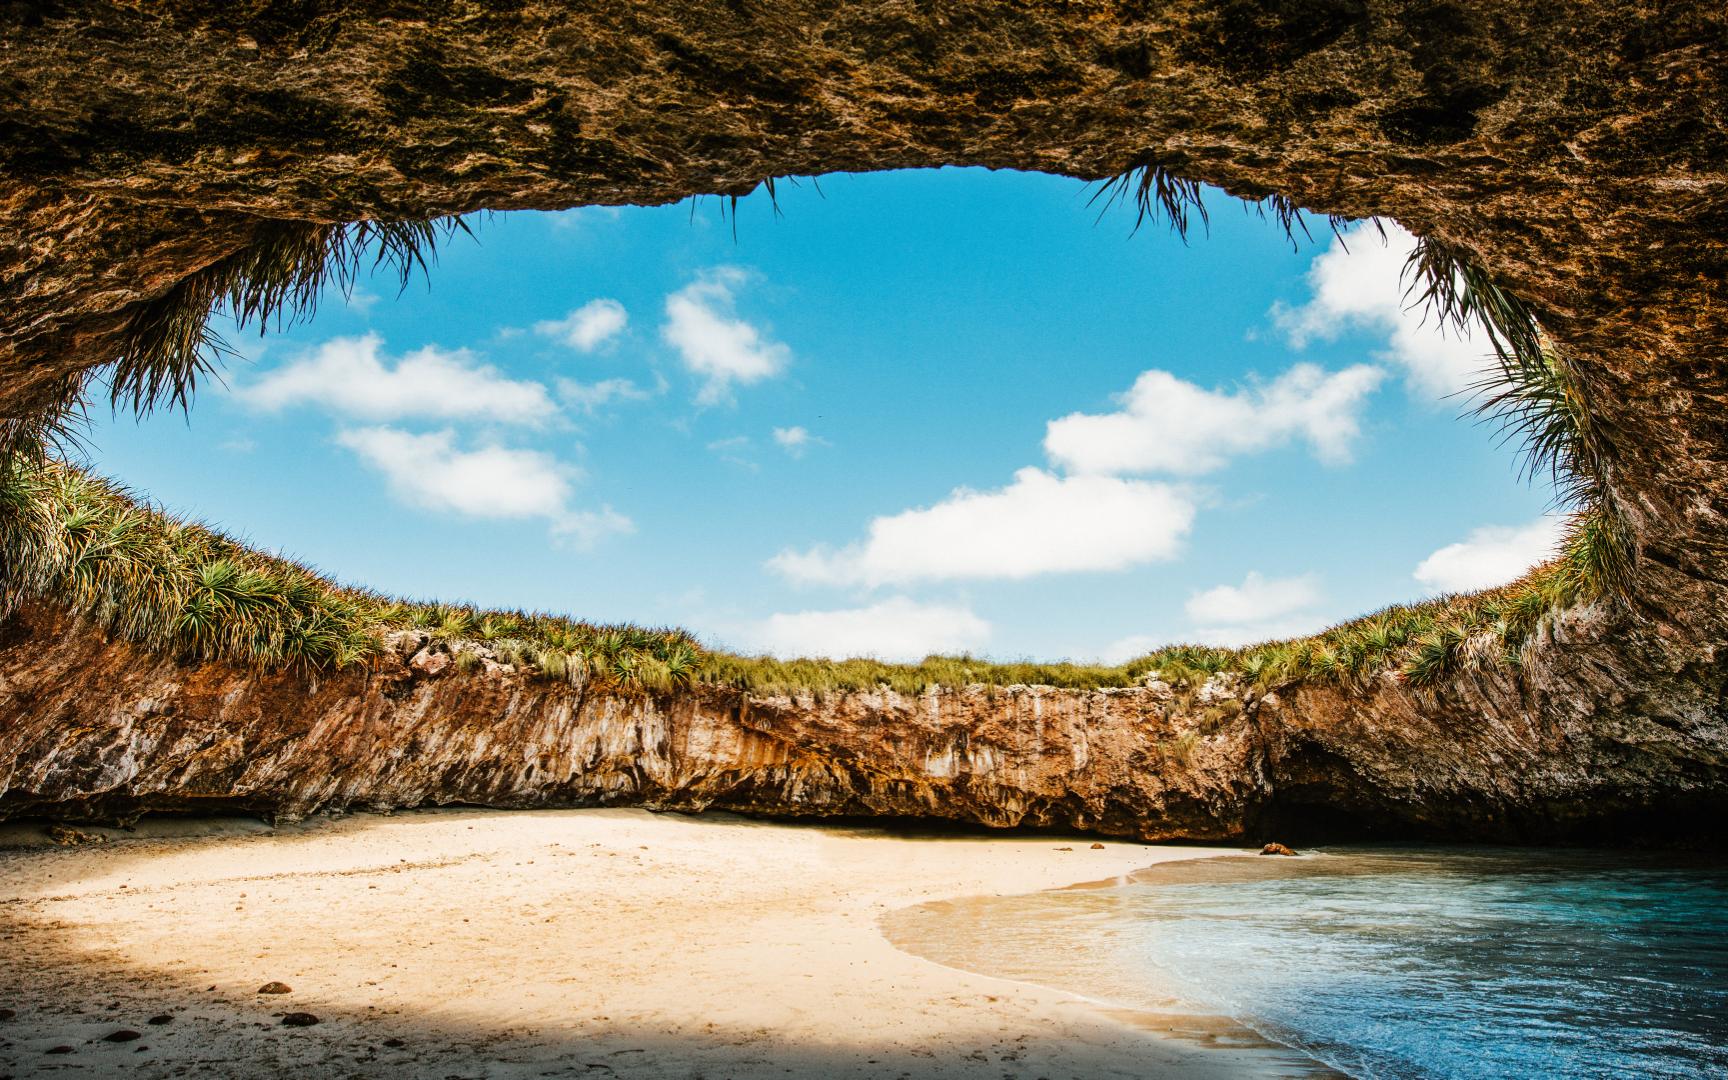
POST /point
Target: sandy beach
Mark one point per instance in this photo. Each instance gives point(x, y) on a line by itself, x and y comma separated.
point(610, 943)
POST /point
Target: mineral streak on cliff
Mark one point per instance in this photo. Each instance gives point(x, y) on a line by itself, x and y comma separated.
point(1578, 151)
point(99, 730)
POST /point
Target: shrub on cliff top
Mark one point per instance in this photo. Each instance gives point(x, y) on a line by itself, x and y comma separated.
point(181, 588)
point(177, 587)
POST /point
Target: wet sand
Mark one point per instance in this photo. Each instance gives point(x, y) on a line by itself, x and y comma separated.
point(600, 943)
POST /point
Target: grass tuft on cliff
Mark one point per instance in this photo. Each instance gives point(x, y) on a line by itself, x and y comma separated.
point(168, 348)
point(181, 588)
point(168, 345)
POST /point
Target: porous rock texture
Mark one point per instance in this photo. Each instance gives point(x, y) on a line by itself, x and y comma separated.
point(1577, 148)
point(97, 730)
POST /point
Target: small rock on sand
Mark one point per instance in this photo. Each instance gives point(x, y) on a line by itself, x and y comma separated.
point(395, 1044)
point(1097, 847)
point(299, 1019)
point(1276, 849)
point(67, 836)
point(62, 1049)
point(275, 988)
point(159, 1019)
point(7, 1014)
point(123, 1035)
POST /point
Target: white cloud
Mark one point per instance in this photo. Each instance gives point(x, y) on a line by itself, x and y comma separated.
point(1358, 282)
point(351, 376)
point(431, 472)
point(1167, 424)
point(1259, 609)
point(894, 629)
point(734, 450)
point(361, 299)
point(714, 343)
point(1125, 649)
point(795, 440)
point(1257, 599)
point(1492, 555)
point(591, 396)
point(588, 327)
point(1039, 524)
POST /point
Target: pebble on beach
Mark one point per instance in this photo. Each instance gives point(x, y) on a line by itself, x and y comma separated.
point(1276, 849)
point(299, 1019)
point(123, 1035)
point(275, 988)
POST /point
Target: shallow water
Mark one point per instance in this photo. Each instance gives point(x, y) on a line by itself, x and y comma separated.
point(1383, 962)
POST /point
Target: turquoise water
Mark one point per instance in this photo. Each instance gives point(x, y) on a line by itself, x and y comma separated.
point(1420, 963)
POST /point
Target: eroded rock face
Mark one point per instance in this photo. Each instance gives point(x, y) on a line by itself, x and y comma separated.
point(1579, 149)
point(96, 730)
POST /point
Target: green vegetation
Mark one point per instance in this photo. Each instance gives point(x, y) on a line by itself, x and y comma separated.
point(178, 587)
point(167, 346)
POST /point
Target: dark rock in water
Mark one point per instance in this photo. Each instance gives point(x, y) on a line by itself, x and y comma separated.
point(275, 988)
point(123, 1035)
point(159, 1019)
point(395, 1044)
point(1276, 849)
point(299, 1019)
point(61, 1049)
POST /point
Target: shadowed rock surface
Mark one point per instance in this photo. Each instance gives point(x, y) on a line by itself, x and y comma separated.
point(1578, 150)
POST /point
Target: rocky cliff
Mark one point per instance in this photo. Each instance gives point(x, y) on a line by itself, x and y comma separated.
point(1577, 151)
point(96, 730)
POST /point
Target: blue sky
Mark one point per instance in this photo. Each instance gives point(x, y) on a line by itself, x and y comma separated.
point(939, 410)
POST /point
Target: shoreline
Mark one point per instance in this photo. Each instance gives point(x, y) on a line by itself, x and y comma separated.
point(518, 943)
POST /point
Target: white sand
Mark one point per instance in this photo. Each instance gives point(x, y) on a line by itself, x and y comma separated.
point(596, 943)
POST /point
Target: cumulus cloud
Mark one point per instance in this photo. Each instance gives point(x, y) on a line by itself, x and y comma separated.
point(430, 471)
point(1259, 609)
point(588, 327)
point(1257, 599)
point(1492, 555)
point(1039, 524)
point(702, 324)
point(351, 375)
point(1358, 283)
point(894, 629)
point(1167, 424)
point(795, 440)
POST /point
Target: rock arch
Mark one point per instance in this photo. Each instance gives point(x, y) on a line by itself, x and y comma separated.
point(1577, 150)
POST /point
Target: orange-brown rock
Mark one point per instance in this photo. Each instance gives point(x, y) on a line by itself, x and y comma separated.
point(1578, 150)
point(1276, 849)
point(99, 730)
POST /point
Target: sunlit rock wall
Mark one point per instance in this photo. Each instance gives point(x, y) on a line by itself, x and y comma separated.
point(97, 730)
